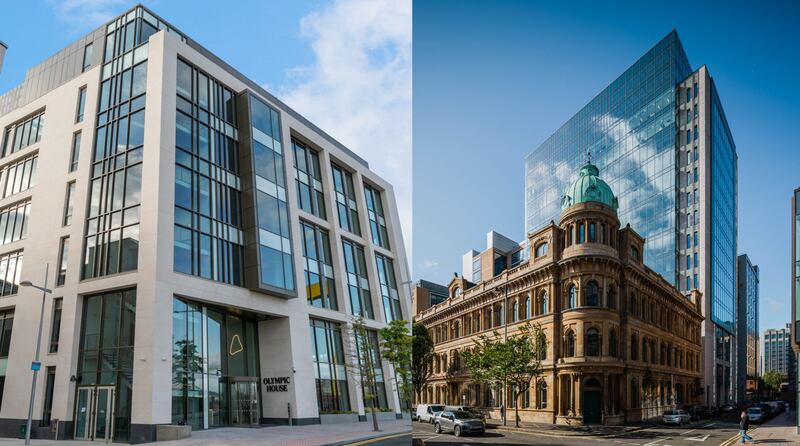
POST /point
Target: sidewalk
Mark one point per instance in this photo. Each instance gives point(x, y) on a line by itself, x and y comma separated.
point(779, 430)
point(559, 430)
point(314, 435)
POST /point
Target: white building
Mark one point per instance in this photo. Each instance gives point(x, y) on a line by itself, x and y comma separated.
point(209, 246)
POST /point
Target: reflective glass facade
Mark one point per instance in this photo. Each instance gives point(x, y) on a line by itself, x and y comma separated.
point(319, 277)
point(377, 222)
point(629, 128)
point(330, 371)
point(23, 134)
point(112, 226)
point(723, 218)
point(208, 200)
point(378, 390)
point(106, 351)
point(272, 210)
point(357, 280)
point(346, 207)
point(388, 282)
point(307, 174)
point(212, 353)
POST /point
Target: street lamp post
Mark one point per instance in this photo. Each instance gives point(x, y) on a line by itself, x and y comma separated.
point(36, 365)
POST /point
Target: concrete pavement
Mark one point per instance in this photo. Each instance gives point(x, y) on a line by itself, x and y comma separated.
point(315, 435)
point(779, 430)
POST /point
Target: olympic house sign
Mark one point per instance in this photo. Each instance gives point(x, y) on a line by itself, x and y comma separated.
point(277, 384)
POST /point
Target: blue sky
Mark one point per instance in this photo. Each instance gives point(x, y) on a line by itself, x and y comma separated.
point(493, 80)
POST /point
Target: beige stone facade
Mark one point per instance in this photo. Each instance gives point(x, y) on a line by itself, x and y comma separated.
point(609, 322)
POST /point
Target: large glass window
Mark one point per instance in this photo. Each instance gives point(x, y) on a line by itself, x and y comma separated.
point(208, 224)
point(24, 133)
point(19, 176)
point(6, 325)
point(346, 206)
point(211, 351)
point(377, 221)
point(378, 390)
point(106, 350)
point(75, 152)
point(391, 299)
point(55, 326)
point(10, 272)
point(14, 222)
point(63, 255)
point(275, 252)
point(111, 243)
point(49, 386)
point(308, 177)
point(357, 279)
point(329, 367)
point(88, 52)
point(320, 283)
point(69, 204)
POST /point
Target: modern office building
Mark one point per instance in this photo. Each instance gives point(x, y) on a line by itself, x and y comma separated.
point(659, 134)
point(623, 344)
point(777, 350)
point(747, 324)
point(425, 294)
point(795, 274)
point(207, 247)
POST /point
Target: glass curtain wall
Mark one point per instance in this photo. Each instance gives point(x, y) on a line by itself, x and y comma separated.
point(320, 282)
point(346, 206)
point(210, 348)
point(357, 280)
point(308, 176)
point(330, 372)
point(208, 223)
point(274, 237)
point(386, 277)
point(377, 222)
point(379, 389)
point(106, 351)
point(629, 128)
point(112, 225)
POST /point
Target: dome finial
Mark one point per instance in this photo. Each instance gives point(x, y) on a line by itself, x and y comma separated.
point(589, 156)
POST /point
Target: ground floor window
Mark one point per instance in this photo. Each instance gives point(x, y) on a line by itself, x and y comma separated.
point(105, 365)
point(329, 367)
point(6, 324)
point(214, 367)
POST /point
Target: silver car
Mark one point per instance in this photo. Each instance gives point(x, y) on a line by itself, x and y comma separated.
point(675, 417)
point(458, 421)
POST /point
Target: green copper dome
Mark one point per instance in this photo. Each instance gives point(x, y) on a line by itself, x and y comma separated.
point(589, 187)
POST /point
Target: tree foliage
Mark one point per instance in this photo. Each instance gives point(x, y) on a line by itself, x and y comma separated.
point(396, 343)
point(422, 352)
point(772, 380)
point(515, 360)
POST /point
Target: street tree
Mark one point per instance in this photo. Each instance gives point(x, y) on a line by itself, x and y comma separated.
point(422, 354)
point(772, 380)
point(514, 360)
point(361, 359)
point(396, 343)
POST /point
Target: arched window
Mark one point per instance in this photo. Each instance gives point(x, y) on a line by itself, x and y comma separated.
point(592, 232)
point(602, 233)
point(545, 304)
point(633, 305)
point(514, 312)
point(456, 331)
point(581, 233)
point(644, 350)
point(592, 342)
point(528, 308)
point(541, 348)
point(634, 348)
point(611, 298)
point(592, 295)
point(652, 351)
point(542, 396)
point(634, 393)
point(612, 343)
point(569, 347)
point(634, 253)
point(572, 297)
point(541, 249)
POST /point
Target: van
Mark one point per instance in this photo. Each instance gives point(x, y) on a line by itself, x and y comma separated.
point(427, 412)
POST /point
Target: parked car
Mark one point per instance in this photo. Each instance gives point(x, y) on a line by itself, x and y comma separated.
point(728, 408)
point(427, 412)
point(459, 421)
point(473, 410)
point(675, 417)
point(756, 414)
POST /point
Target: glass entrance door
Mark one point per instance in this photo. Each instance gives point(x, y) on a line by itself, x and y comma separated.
point(94, 418)
point(244, 402)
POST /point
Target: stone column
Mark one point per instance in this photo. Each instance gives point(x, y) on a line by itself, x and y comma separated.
point(577, 396)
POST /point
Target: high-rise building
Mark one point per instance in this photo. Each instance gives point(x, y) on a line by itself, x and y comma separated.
point(210, 247)
point(747, 323)
point(659, 134)
point(777, 350)
point(795, 316)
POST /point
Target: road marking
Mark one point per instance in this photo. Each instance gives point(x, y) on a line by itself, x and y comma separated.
point(699, 438)
point(656, 441)
point(373, 440)
point(690, 430)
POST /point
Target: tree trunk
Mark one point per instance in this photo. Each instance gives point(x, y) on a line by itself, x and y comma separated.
point(374, 416)
point(516, 408)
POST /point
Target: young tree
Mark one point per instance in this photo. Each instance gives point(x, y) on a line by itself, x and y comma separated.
point(648, 389)
point(772, 380)
point(361, 365)
point(396, 348)
point(515, 360)
point(422, 352)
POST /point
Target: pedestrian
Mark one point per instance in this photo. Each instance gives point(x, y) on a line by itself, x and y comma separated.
point(503, 413)
point(744, 424)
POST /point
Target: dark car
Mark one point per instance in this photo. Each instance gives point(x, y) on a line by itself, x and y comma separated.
point(459, 421)
point(728, 408)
